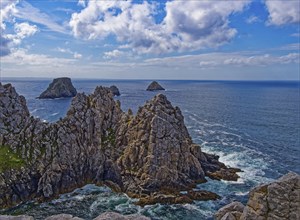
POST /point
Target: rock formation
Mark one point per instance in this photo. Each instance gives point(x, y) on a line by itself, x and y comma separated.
point(144, 155)
point(103, 216)
point(59, 88)
point(154, 86)
point(115, 90)
point(277, 200)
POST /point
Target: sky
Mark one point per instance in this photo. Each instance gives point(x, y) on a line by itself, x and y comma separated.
point(140, 39)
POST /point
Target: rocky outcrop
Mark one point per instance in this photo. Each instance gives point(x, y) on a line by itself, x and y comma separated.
point(277, 200)
point(103, 216)
point(115, 90)
point(96, 142)
point(154, 86)
point(117, 216)
point(59, 88)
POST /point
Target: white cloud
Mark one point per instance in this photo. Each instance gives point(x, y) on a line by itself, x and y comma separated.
point(113, 54)
point(188, 25)
point(81, 3)
point(8, 8)
point(22, 30)
point(28, 12)
point(217, 60)
point(295, 35)
point(252, 19)
point(22, 57)
point(283, 12)
point(295, 46)
point(76, 55)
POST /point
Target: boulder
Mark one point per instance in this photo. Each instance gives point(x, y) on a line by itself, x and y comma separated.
point(117, 216)
point(115, 90)
point(234, 209)
point(18, 217)
point(59, 88)
point(62, 217)
point(277, 200)
point(154, 86)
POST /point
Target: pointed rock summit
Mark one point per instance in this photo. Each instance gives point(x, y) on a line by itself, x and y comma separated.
point(154, 86)
point(59, 88)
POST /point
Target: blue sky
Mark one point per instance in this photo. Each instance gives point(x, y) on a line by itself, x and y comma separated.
point(213, 39)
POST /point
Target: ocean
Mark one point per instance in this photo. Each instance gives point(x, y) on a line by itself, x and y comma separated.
point(251, 125)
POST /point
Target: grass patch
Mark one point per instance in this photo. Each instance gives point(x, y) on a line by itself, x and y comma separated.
point(9, 159)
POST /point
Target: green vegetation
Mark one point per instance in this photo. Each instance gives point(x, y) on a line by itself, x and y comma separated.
point(110, 138)
point(9, 159)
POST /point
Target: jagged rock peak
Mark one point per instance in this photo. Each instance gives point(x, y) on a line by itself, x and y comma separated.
point(114, 89)
point(59, 88)
point(13, 110)
point(154, 86)
point(276, 200)
point(98, 143)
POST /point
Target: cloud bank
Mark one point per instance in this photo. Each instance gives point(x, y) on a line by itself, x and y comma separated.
point(283, 12)
point(187, 25)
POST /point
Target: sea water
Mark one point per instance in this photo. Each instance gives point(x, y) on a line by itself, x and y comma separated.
point(253, 125)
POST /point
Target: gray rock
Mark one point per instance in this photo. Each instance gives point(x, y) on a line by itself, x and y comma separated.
point(19, 217)
point(59, 88)
point(235, 209)
point(117, 216)
point(63, 217)
point(277, 200)
point(154, 86)
point(97, 143)
point(115, 90)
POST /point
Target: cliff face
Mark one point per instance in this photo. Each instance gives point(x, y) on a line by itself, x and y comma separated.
point(97, 143)
point(277, 200)
point(59, 88)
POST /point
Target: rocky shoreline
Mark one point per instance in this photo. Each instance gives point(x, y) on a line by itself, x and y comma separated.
point(103, 216)
point(277, 200)
point(149, 155)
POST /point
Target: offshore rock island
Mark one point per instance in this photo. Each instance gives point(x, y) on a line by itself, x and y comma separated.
point(149, 156)
point(59, 88)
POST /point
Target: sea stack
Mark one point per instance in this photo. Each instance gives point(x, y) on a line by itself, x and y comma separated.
point(154, 86)
point(115, 90)
point(59, 88)
point(142, 155)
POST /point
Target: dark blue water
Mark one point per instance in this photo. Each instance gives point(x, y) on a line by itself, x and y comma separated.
point(254, 126)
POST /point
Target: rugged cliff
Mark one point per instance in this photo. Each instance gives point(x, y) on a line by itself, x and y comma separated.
point(98, 143)
point(277, 200)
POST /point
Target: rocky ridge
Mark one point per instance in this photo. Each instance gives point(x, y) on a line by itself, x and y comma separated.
point(59, 88)
point(149, 155)
point(277, 200)
point(154, 86)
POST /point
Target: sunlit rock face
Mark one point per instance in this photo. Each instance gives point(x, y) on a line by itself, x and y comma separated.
point(96, 142)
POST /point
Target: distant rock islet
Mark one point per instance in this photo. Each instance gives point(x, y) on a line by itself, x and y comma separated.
point(59, 88)
point(154, 86)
